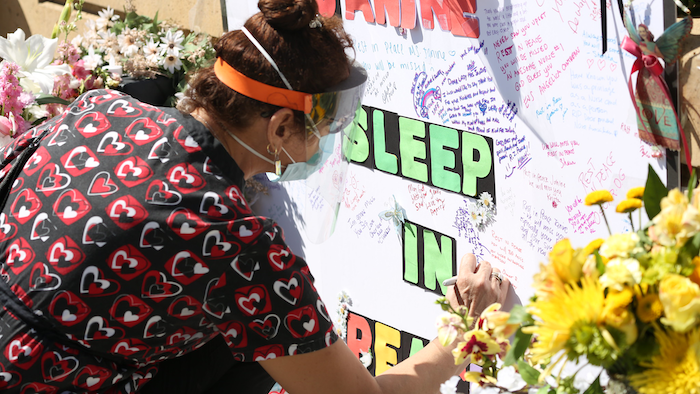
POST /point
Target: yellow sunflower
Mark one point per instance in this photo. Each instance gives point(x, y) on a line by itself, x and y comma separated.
point(636, 192)
point(598, 197)
point(628, 205)
point(557, 315)
point(676, 369)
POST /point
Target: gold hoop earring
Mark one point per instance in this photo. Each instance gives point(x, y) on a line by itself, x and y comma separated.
point(278, 163)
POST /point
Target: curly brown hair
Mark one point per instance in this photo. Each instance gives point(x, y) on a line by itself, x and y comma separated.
point(312, 60)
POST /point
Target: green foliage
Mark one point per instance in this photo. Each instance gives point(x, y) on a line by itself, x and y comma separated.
point(521, 341)
point(654, 191)
point(529, 374)
point(49, 99)
point(599, 265)
point(519, 315)
point(595, 388)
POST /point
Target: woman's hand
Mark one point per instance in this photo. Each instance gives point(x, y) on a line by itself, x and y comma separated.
point(478, 286)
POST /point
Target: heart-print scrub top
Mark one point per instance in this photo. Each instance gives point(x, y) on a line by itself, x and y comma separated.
point(128, 231)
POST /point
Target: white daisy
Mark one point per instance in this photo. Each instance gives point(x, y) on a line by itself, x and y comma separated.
point(151, 51)
point(108, 41)
point(106, 17)
point(480, 216)
point(486, 199)
point(128, 42)
point(171, 63)
point(171, 43)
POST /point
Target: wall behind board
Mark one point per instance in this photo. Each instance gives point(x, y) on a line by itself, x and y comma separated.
point(466, 100)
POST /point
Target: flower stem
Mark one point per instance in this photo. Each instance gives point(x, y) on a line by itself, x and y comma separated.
point(631, 223)
point(640, 218)
point(606, 219)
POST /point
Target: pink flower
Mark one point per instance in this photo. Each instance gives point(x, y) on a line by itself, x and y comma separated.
point(79, 70)
point(6, 127)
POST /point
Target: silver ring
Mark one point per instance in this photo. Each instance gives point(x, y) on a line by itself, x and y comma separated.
point(498, 277)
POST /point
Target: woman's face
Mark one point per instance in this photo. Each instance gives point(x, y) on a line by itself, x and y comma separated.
point(305, 144)
point(643, 32)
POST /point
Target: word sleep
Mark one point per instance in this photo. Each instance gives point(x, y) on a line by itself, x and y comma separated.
point(438, 156)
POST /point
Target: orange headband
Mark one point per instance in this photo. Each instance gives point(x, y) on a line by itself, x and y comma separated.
point(262, 92)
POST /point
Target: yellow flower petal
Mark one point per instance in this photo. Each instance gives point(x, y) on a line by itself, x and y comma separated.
point(629, 205)
point(598, 197)
point(636, 192)
point(649, 308)
point(676, 367)
point(593, 246)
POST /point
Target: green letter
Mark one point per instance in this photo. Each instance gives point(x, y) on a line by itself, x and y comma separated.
point(410, 253)
point(416, 346)
point(357, 145)
point(474, 169)
point(412, 149)
point(437, 264)
point(382, 160)
point(442, 161)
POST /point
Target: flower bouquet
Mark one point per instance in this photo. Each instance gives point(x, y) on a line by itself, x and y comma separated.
point(141, 49)
point(39, 75)
point(628, 305)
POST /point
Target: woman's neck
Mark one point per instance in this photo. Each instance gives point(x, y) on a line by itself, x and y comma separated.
point(250, 163)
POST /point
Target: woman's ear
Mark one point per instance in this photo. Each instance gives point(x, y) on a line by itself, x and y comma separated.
point(282, 127)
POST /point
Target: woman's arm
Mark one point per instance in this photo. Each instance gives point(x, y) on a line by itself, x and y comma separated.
point(337, 370)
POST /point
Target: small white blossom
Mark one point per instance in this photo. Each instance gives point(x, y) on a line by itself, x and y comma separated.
point(486, 200)
point(92, 60)
point(485, 390)
point(128, 42)
point(171, 63)
point(509, 379)
point(152, 52)
point(106, 17)
point(366, 358)
point(171, 43)
point(450, 386)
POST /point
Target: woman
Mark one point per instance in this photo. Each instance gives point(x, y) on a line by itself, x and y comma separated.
point(127, 242)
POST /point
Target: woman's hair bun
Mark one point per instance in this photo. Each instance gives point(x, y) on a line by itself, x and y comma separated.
point(288, 14)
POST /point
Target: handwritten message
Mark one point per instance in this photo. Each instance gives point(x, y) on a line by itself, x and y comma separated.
point(427, 198)
point(364, 224)
point(550, 184)
point(464, 223)
point(510, 254)
point(564, 151)
point(540, 230)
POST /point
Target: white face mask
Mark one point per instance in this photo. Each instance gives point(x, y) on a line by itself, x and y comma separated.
point(297, 171)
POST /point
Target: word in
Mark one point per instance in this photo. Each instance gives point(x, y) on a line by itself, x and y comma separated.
point(429, 257)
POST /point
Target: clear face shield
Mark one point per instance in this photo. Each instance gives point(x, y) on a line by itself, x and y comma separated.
point(334, 119)
point(330, 117)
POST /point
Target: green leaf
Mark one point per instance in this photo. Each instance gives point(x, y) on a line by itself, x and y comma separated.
point(49, 99)
point(519, 315)
point(595, 387)
point(654, 191)
point(520, 343)
point(39, 121)
point(529, 374)
point(696, 242)
point(543, 390)
point(692, 183)
point(600, 266)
